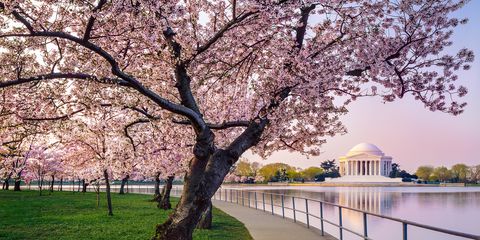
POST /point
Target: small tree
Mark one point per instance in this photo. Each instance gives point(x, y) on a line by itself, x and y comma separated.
point(275, 171)
point(395, 170)
point(459, 172)
point(424, 172)
point(474, 174)
point(311, 172)
point(330, 168)
point(442, 174)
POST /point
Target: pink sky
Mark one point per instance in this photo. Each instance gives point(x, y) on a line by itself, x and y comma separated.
point(407, 131)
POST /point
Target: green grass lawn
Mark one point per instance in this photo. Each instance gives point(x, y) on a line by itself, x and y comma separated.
point(64, 215)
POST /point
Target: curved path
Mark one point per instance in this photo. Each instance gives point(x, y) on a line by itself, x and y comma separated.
point(265, 226)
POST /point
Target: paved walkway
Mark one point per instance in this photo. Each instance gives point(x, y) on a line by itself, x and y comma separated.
point(265, 226)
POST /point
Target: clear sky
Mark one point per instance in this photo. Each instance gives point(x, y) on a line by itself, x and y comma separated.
point(407, 131)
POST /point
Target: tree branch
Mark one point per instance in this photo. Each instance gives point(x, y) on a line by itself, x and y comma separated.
point(62, 117)
point(220, 33)
point(217, 126)
point(91, 20)
point(144, 112)
point(302, 28)
point(52, 76)
point(125, 130)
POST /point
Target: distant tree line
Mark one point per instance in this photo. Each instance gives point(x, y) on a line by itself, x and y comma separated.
point(246, 172)
point(457, 173)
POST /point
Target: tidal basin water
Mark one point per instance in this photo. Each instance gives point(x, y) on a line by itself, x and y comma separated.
point(453, 208)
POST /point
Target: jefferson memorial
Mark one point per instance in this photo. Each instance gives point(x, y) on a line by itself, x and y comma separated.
point(365, 163)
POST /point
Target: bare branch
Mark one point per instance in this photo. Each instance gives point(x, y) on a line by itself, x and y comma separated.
point(125, 130)
point(222, 31)
point(217, 126)
point(62, 117)
point(52, 76)
point(91, 20)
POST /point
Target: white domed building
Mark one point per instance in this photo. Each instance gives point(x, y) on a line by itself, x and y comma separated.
point(365, 163)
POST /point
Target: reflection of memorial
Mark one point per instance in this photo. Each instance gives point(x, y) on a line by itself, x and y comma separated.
point(367, 199)
point(365, 163)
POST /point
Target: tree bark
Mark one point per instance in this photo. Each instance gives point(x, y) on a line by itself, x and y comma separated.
point(122, 186)
point(7, 182)
point(60, 188)
point(51, 184)
point(84, 186)
point(40, 185)
point(157, 197)
point(109, 197)
point(16, 187)
point(73, 185)
point(206, 218)
point(98, 194)
point(165, 202)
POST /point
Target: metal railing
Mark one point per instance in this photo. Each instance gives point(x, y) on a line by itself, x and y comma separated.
point(245, 198)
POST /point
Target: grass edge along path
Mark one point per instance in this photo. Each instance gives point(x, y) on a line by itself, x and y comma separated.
point(69, 216)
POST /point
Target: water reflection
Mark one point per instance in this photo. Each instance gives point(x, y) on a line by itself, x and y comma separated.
point(451, 208)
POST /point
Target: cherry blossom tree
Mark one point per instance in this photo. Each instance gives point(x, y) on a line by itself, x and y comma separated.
point(238, 75)
point(160, 159)
point(41, 163)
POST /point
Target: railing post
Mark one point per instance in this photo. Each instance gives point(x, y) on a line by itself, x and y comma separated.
point(294, 214)
point(404, 231)
point(226, 195)
point(306, 210)
point(321, 218)
point(231, 195)
point(340, 222)
point(283, 208)
point(263, 200)
point(365, 227)
point(255, 198)
point(271, 201)
point(248, 198)
point(243, 198)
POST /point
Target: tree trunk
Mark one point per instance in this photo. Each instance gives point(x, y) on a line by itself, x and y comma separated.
point(199, 187)
point(84, 186)
point(122, 186)
point(109, 197)
point(165, 202)
point(73, 185)
point(51, 184)
point(7, 182)
point(16, 187)
point(206, 218)
point(157, 197)
point(79, 184)
point(98, 194)
point(61, 184)
point(40, 185)
point(206, 172)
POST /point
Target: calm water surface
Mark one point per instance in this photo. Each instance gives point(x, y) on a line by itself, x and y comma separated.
point(454, 208)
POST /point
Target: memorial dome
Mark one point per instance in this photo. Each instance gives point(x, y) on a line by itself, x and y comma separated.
point(365, 148)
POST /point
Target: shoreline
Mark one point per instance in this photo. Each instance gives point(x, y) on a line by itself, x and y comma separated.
point(360, 184)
